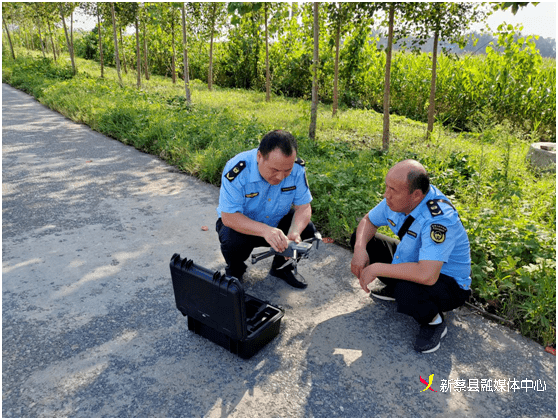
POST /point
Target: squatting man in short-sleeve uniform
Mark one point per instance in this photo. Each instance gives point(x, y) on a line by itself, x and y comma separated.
point(264, 201)
point(428, 271)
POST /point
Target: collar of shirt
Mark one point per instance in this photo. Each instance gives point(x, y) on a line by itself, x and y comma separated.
point(421, 206)
point(255, 175)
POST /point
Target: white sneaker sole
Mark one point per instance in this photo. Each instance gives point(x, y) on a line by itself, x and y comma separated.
point(438, 346)
point(381, 297)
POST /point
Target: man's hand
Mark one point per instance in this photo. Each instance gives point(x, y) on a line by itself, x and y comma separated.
point(367, 276)
point(359, 262)
point(277, 239)
point(294, 236)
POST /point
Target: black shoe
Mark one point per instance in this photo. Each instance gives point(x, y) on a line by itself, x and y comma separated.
point(429, 336)
point(380, 291)
point(295, 280)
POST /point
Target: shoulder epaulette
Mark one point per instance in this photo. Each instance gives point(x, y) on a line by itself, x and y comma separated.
point(233, 173)
point(300, 161)
point(434, 208)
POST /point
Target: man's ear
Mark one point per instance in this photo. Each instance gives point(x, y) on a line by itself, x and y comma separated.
point(417, 195)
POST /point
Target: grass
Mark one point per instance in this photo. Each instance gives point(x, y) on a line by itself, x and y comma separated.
point(508, 208)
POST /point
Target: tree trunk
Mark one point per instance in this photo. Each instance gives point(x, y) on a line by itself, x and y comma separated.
point(123, 51)
point(70, 49)
point(138, 56)
point(267, 75)
point(385, 135)
point(9, 37)
point(210, 72)
point(51, 41)
point(41, 37)
point(432, 102)
point(186, 69)
point(145, 67)
point(72, 31)
point(336, 71)
point(100, 43)
point(314, 108)
point(173, 63)
point(116, 56)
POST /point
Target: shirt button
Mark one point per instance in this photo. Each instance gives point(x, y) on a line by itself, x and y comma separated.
point(269, 199)
point(267, 217)
point(397, 257)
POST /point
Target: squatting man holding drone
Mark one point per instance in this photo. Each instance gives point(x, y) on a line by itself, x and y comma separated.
point(427, 272)
point(265, 201)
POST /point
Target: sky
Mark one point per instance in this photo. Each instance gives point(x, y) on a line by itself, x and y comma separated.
point(536, 20)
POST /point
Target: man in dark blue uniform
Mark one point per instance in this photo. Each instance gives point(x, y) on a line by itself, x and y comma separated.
point(264, 201)
point(427, 272)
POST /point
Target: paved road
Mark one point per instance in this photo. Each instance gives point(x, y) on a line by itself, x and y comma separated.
point(90, 327)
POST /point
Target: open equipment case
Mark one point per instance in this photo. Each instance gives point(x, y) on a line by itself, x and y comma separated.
point(218, 308)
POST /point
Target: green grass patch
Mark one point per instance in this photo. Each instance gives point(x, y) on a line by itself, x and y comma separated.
point(507, 207)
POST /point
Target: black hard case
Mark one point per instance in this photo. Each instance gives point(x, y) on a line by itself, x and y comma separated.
point(218, 308)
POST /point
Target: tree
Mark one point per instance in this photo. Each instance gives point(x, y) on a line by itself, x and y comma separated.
point(5, 7)
point(343, 18)
point(98, 10)
point(338, 14)
point(515, 5)
point(138, 55)
point(186, 70)
point(215, 14)
point(65, 9)
point(315, 61)
point(445, 21)
point(116, 55)
point(273, 16)
point(385, 133)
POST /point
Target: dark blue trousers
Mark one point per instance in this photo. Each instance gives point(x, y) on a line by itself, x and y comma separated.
point(420, 301)
point(237, 247)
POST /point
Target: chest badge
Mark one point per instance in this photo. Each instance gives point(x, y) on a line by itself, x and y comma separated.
point(438, 233)
point(391, 222)
point(252, 195)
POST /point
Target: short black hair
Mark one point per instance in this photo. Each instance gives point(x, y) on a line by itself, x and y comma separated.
point(418, 180)
point(281, 139)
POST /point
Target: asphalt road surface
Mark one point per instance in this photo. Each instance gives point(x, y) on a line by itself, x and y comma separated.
point(90, 326)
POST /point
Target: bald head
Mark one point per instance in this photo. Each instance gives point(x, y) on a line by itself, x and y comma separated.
point(413, 173)
point(406, 185)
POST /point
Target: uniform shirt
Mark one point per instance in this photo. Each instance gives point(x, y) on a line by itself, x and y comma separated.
point(437, 234)
point(244, 190)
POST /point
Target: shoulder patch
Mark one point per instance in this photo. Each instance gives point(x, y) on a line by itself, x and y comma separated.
point(300, 161)
point(233, 173)
point(438, 233)
point(434, 208)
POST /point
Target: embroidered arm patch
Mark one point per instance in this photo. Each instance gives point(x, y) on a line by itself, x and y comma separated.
point(438, 233)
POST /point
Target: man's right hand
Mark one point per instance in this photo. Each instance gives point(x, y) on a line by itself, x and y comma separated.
point(359, 262)
point(277, 239)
